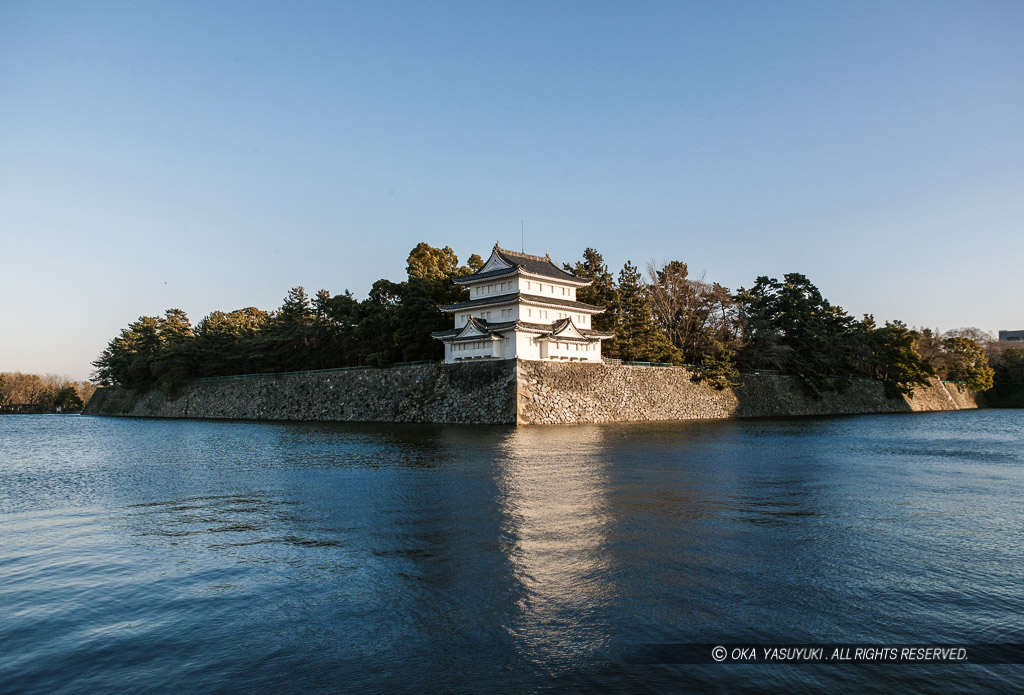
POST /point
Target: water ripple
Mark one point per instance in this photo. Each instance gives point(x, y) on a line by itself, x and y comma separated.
point(162, 556)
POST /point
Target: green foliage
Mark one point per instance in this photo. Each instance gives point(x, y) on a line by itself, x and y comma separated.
point(789, 326)
point(957, 357)
point(894, 357)
point(696, 316)
point(68, 399)
point(601, 291)
point(719, 369)
point(1008, 366)
point(1007, 362)
point(966, 361)
point(225, 342)
point(127, 358)
point(636, 335)
point(393, 324)
point(672, 317)
point(428, 263)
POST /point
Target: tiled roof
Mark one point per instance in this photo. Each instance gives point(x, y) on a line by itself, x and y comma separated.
point(499, 326)
point(520, 296)
point(474, 322)
point(535, 265)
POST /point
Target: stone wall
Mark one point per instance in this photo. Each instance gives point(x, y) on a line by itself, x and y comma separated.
point(481, 392)
point(511, 392)
point(551, 392)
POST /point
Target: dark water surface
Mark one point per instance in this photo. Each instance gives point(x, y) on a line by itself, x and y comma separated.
point(184, 556)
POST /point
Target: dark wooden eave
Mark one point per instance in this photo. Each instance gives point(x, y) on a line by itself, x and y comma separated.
point(517, 297)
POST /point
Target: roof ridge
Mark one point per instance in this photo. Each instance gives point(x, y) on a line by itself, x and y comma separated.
point(545, 257)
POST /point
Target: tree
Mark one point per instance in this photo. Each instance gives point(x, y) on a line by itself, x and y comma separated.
point(287, 343)
point(966, 361)
point(226, 342)
point(68, 399)
point(956, 357)
point(789, 326)
point(175, 360)
point(696, 316)
point(982, 338)
point(428, 287)
point(376, 332)
point(43, 392)
point(127, 359)
point(174, 327)
point(929, 345)
point(719, 369)
point(5, 391)
point(894, 357)
point(1008, 366)
point(337, 321)
point(601, 291)
point(636, 335)
point(428, 263)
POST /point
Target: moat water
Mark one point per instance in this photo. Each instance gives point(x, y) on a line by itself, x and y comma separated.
point(158, 556)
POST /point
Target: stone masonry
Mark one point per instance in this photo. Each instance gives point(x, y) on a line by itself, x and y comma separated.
point(510, 392)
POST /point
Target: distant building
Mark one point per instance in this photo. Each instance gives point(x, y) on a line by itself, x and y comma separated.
point(524, 307)
point(1012, 336)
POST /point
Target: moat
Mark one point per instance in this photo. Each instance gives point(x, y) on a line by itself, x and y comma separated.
point(165, 556)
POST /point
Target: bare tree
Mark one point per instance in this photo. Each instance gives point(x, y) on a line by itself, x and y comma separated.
point(697, 316)
point(982, 338)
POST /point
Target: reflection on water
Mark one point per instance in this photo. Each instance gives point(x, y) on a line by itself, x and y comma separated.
point(214, 557)
point(555, 510)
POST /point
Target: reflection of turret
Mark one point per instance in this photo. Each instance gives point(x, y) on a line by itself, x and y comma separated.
point(553, 495)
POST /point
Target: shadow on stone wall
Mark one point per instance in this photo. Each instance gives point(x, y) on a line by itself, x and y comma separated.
point(511, 392)
point(480, 392)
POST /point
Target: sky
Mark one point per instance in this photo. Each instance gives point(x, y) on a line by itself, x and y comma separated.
point(211, 155)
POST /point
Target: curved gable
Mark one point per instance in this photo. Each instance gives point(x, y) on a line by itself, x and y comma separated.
point(565, 328)
point(495, 262)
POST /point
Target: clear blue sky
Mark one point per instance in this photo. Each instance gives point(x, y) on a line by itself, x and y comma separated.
point(211, 155)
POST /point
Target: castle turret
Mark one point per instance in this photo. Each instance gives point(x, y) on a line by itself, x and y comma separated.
point(522, 306)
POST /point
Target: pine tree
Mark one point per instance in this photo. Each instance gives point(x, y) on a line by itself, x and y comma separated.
point(601, 291)
point(637, 337)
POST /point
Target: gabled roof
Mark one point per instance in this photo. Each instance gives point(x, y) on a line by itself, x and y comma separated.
point(475, 329)
point(503, 262)
point(522, 297)
point(563, 329)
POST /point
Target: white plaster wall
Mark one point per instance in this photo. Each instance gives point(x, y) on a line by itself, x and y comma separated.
point(493, 288)
point(572, 352)
point(524, 349)
point(490, 348)
point(534, 314)
point(512, 309)
point(547, 288)
point(515, 311)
